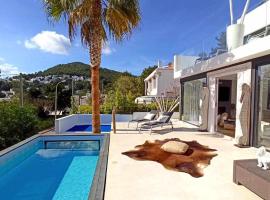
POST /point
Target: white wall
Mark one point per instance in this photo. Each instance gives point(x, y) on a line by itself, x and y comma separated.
point(257, 18)
point(254, 49)
point(212, 103)
point(234, 91)
point(65, 123)
point(165, 82)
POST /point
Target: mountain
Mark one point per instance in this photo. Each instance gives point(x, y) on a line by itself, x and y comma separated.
point(79, 69)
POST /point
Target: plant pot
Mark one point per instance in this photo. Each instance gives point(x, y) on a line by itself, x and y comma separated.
point(235, 36)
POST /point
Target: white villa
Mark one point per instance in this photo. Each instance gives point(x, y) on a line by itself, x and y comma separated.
point(238, 83)
point(160, 82)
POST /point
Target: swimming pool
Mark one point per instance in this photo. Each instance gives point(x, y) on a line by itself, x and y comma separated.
point(50, 168)
point(88, 128)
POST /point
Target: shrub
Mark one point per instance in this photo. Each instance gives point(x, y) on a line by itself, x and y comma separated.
point(16, 123)
point(85, 109)
point(44, 124)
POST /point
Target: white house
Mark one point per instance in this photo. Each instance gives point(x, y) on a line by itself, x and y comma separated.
point(245, 65)
point(161, 83)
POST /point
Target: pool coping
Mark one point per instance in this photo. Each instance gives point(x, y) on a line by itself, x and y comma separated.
point(97, 189)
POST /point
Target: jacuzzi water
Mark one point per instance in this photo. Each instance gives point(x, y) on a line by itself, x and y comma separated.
point(88, 128)
point(50, 174)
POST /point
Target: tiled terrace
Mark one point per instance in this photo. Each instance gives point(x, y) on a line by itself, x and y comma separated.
point(146, 180)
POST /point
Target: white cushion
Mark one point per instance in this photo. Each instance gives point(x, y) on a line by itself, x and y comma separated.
point(149, 116)
point(162, 118)
point(175, 147)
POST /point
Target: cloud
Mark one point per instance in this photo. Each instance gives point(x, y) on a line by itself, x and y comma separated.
point(49, 41)
point(107, 50)
point(7, 69)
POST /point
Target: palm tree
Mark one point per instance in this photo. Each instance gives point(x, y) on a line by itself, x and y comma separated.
point(96, 20)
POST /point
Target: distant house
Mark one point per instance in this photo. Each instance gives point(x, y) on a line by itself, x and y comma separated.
point(84, 100)
point(65, 76)
point(8, 95)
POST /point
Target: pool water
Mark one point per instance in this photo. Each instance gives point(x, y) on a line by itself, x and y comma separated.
point(88, 128)
point(50, 174)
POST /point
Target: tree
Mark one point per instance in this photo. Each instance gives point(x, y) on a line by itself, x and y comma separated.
point(2, 95)
point(35, 93)
point(123, 94)
point(63, 100)
point(64, 95)
point(126, 73)
point(147, 71)
point(97, 19)
point(126, 84)
point(4, 85)
point(16, 123)
point(203, 55)
point(221, 43)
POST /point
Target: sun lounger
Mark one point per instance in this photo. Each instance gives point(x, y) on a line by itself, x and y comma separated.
point(148, 117)
point(163, 120)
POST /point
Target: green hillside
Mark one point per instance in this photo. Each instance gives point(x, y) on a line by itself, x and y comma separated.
point(79, 69)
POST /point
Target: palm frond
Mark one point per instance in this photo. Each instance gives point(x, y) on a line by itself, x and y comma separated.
point(120, 17)
point(56, 9)
point(77, 17)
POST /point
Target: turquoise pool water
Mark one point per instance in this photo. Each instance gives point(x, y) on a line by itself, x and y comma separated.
point(88, 128)
point(50, 174)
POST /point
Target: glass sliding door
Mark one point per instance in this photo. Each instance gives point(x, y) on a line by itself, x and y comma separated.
point(191, 100)
point(263, 105)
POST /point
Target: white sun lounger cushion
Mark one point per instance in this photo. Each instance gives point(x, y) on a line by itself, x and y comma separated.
point(162, 118)
point(149, 116)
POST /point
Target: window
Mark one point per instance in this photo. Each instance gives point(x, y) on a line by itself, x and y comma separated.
point(191, 100)
point(263, 105)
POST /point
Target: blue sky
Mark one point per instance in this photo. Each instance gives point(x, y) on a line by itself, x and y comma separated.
point(30, 43)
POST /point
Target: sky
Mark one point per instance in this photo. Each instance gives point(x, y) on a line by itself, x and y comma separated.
point(30, 43)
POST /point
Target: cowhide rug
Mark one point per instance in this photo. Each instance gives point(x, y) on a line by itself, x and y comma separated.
point(192, 162)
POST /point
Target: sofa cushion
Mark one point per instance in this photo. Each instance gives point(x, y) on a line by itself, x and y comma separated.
point(175, 147)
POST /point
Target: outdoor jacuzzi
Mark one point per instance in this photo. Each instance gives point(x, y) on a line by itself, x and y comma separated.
point(54, 167)
point(81, 123)
point(88, 128)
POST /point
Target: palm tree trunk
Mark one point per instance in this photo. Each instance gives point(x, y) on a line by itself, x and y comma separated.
point(95, 98)
point(95, 55)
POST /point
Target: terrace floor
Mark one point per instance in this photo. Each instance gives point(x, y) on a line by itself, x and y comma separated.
point(147, 180)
